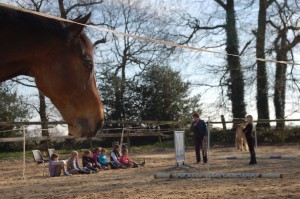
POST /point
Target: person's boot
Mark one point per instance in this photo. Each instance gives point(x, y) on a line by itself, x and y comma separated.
point(253, 159)
point(143, 163)
point(205, 159)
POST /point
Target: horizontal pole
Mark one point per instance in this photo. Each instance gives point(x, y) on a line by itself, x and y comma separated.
point(98, 136)
point(218, 175)
point(29, 123)
point(268, 120)
point(257, 157)
point(42, 138)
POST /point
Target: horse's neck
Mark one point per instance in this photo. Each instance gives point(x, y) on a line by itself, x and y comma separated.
point(19, 52)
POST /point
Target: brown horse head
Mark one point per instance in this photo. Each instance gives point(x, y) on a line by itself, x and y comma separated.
point(59, 56)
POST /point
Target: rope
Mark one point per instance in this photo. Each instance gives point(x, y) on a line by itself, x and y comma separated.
point(143, 38)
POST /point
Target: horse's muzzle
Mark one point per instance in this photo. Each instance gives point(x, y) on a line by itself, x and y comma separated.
point(86, 129)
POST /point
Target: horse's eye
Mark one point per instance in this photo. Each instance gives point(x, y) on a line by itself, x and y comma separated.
point(88, 62)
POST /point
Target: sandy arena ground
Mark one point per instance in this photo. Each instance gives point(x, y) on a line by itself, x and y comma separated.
point(140, 183)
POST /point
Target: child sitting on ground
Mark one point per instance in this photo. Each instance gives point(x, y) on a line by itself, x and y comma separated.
point(55, 166)
point(96, 153)
point(115, 156)
point(73, 166)
point(102, 159)
point(89, 162)
point(127, 161)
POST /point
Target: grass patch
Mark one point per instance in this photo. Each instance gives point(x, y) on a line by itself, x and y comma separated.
point(14, 155)
point(152, 147)
point(64, 153)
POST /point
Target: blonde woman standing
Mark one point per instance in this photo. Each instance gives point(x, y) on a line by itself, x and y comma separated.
point(248, 134)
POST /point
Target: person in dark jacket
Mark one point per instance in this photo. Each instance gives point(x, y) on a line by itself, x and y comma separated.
point(89, 162)
point(199, 129)
point(248, 134)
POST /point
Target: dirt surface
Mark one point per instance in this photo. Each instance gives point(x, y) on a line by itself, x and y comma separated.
point(140, 183)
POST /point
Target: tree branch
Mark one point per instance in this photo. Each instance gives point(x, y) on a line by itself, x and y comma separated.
point(246, 45)
point(100, 41)
point(270, 2)
point(24, 84)
point(295, 41)
point(273, 25)
point(221, 3)
point(62, 9)
point(82, 4)
point(195, 26)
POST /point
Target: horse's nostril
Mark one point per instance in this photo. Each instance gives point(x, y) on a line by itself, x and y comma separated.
point(99, 125)
point(84, 123)
point(88, 130)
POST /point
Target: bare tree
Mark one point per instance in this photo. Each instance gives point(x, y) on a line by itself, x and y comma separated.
point(211, 29)
point(125, 53)
point(262, 98)
point(287, 37)
point(236, 84)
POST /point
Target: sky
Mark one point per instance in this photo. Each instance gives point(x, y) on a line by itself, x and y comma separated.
point(194, 65)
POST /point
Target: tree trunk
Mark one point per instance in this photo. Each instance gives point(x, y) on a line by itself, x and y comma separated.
point(119, 92)
point(262, 103)
point(118, 98)
point(44, 120)
point(236, 75)
point(62, 10)
point(119, 87)
point(280, 84)
point(123, 85)
point(43, 114)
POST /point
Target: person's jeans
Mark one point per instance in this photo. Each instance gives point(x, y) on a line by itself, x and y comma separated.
point(198, 139)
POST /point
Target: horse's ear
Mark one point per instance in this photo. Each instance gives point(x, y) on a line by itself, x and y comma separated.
point(75, 29)
point(77, 18)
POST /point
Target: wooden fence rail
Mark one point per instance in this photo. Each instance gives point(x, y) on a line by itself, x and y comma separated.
point(98, 136)
point(108, 122)
point(132, 133)
point(129, 122)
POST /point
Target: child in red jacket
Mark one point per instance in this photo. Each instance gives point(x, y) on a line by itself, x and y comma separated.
point(127, 161)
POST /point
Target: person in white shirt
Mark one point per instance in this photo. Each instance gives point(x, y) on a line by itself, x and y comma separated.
point(115, 155)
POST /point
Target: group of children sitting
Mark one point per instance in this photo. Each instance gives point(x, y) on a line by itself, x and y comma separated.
point(91, 163)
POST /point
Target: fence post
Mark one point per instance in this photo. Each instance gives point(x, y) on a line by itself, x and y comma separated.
point(208, 146)
point(159, 137)
point(223, 122)
point(24, 156)
point(128, 138)
point(255, 134)
point(121, 141)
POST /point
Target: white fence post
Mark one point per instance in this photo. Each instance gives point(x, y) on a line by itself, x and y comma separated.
point(24, 156)
point(255, 134)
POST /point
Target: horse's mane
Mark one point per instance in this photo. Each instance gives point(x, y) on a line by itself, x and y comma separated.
point(24, 21)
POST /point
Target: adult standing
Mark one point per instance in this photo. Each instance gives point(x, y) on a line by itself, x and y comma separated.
point(248, 134)
point(199, 129)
